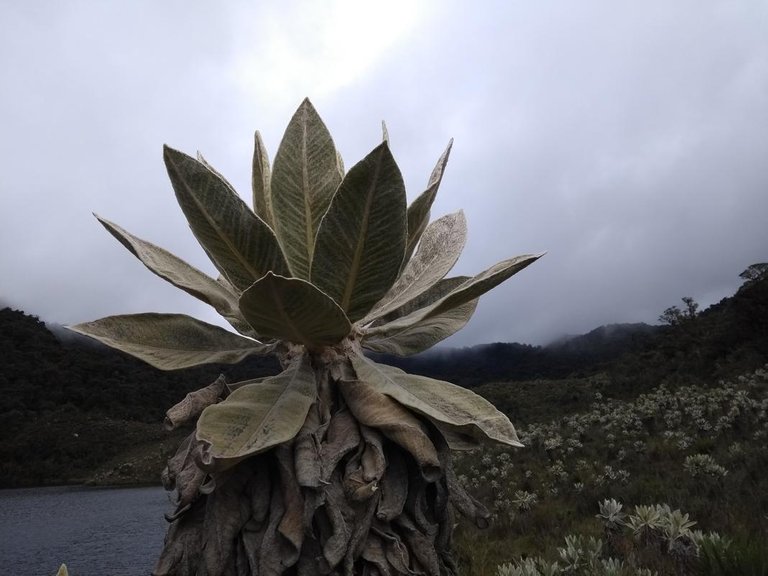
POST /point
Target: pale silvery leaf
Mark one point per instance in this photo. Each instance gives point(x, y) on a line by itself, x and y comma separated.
point(456, 440)
point(257, 416)
point(470, 290)
point(361, 240)
point(305, 176)
point(421, 335)
point(419, 210)
point(181, 275)
point(240, 244)
point(384, 132)
point(447, 404)
point(438, 251)
point(294, 310)
point(425, 299)
point(260, 181)
point(170, 341)
point(227, 285)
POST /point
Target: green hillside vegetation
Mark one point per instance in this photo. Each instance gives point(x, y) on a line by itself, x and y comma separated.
point(675, 430)
point(624, 437)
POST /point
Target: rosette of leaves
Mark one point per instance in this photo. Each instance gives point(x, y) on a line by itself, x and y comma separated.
point(339, 464)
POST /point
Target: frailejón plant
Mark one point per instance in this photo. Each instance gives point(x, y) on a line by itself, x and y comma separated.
point(338, 465)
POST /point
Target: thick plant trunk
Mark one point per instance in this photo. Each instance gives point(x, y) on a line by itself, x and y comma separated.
point(357, 492)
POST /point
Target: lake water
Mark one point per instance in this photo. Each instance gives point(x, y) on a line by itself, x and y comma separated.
point(94, 531)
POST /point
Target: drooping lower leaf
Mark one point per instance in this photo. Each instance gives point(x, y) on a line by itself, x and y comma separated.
point(174, 270)
point(442, 402)
point(371, 407)
point(294, 310)
point(170, 341)
point(257, 416)
point(240, 244)
point(361, 240)
point(404, 341)
point(194, 403)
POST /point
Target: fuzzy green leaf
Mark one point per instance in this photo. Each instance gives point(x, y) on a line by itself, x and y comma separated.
point(421, 335)
point(438, 251)
point(419, 210)
point(294, 310)
point(260, 181)
point(257, 416)
point(427, 298)
point(470, 290)
point(449, 405)
point(239, 243)
point(170, 341)
point(361, 240)
point(173, 269)
point(204, 162)
point(305, 176)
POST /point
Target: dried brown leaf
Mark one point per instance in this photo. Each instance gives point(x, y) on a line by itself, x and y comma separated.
point(381, 412)
point(194, 403)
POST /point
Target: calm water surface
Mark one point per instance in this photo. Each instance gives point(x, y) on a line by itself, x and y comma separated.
point(95, 531)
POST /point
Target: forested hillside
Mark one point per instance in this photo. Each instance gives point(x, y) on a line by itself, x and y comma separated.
point(67, 409)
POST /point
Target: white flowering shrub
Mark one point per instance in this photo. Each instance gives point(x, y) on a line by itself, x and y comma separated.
point(703, 466)
point(688, 445)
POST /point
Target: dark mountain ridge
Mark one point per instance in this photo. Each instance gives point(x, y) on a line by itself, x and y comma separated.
point(567, 356)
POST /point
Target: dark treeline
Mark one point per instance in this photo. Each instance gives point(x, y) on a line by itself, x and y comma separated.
point(579, 355)
point(74, 403)
point(40, 373)
point(67, 409)
point(728, 338)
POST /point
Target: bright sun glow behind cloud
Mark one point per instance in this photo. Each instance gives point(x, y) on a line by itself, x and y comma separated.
point(317, 48)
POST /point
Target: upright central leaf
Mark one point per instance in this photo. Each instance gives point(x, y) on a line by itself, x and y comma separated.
point(361, 242)
point(305, 175)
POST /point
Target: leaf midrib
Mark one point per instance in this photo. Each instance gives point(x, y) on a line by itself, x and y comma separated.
point(287, 319)
point(309, 222)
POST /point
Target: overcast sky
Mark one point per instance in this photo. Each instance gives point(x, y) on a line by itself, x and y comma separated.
point(627, 139)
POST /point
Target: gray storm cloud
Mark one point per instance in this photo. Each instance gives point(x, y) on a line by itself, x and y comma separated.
point(627, 140)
